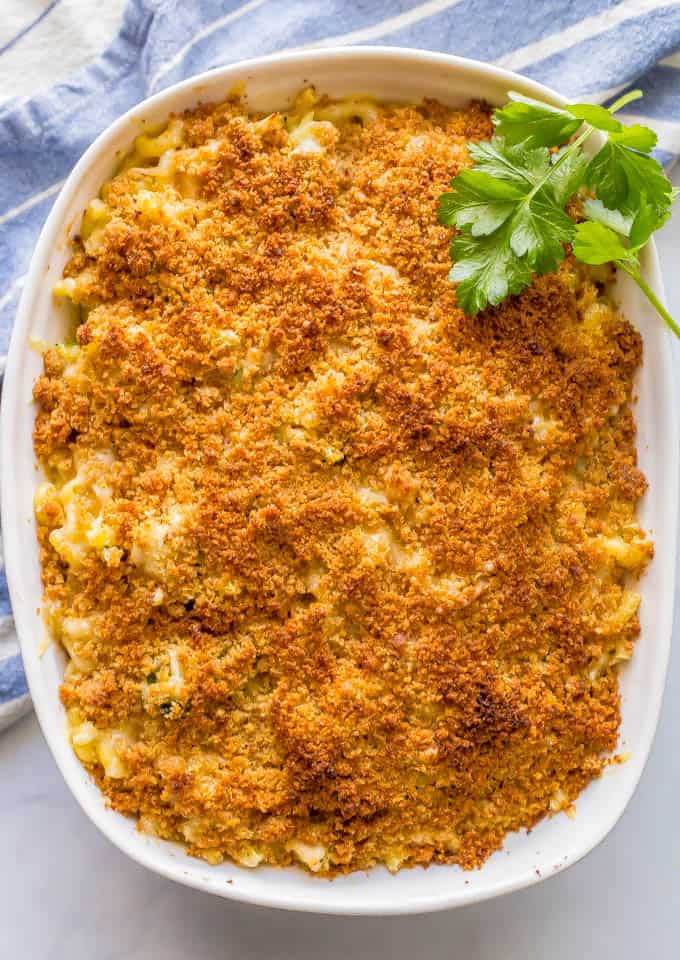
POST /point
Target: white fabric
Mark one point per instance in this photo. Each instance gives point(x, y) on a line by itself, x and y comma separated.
point(71, 33)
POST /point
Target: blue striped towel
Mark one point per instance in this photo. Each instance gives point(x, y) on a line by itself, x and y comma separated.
point(588, 49)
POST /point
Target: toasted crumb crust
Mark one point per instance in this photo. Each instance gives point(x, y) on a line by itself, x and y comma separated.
point(353, 575)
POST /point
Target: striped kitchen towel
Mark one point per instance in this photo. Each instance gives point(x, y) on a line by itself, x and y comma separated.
point(69, 67)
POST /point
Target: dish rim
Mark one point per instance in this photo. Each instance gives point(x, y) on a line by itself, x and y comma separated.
point(54, 224)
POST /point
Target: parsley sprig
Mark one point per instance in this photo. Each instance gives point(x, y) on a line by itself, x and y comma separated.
point(509, 207)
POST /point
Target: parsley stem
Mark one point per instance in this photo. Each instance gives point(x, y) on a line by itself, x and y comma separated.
point(570, 149)
point(624, 100)
point(633, 272)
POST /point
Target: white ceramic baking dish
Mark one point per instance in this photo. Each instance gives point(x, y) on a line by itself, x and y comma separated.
point(397, 75)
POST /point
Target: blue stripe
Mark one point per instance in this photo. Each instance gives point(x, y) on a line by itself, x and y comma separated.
point(7, 314)
point(612, 58)
point(275, 25)
point(57, 128)
point(27, 29)
point(456, 30)
point(660, 87)
point(5, 606)
point(12, 679)
point(506, 26)
point(17, 238)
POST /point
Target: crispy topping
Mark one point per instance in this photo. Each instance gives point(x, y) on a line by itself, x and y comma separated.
point(343, 573)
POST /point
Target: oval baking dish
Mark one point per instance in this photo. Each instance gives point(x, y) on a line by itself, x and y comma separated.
point(396, 75)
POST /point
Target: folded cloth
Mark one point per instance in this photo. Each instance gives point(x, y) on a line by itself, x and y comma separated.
point(588, 49)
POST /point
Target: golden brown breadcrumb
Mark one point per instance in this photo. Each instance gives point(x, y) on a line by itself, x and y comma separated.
point(351, 569)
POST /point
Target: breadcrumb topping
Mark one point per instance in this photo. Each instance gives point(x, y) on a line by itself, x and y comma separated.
point(343, 574)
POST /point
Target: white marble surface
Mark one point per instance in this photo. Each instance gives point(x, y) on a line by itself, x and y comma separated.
point(67, 894)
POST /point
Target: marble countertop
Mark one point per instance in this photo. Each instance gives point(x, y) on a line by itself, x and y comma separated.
point(67, 894)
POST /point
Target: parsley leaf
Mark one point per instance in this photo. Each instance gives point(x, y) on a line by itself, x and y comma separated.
point(620, 175)
point(519, 164)
point(597, 116)
point(533, 123)
point(594, 244)
point(615, 219)
point(648, 218)
point(509, 209)
point(568, 174)
point(486, 270)
point(509, 188)
point(636, 137)
point(479, 201)
point(538, 230)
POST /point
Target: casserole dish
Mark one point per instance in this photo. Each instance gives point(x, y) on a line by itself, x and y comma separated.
point(393, 75)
